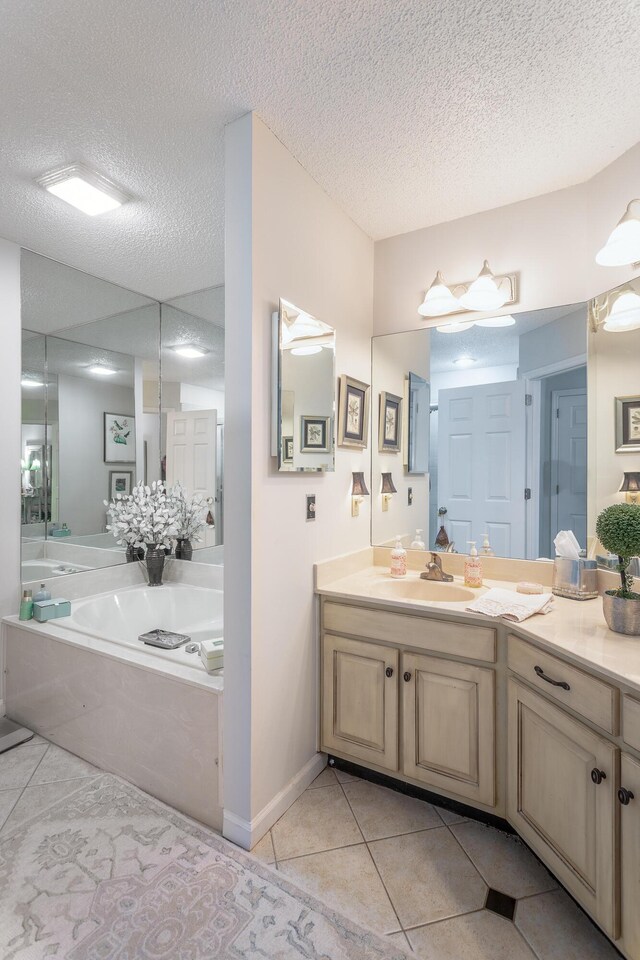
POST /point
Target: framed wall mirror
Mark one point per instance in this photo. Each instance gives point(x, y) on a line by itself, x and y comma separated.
point(304, 389)
point(506, 434)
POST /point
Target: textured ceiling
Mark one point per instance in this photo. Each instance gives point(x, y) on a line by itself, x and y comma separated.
point(408, 113)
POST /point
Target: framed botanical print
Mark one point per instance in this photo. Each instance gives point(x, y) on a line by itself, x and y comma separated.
point(287, 449)
point(390, 423)
point(120, 482)
point(353, 412)
point(315, 434)
point(119, 438)
point(627, 424)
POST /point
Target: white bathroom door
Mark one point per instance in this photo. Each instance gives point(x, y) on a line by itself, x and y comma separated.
point(481, 465)
point(569, 463)
point(191, 456)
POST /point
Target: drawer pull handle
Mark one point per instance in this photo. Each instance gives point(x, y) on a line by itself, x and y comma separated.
point(406, 676)
point(598, 775)
point(389, 671)
point(554, 683)
point(624, 796)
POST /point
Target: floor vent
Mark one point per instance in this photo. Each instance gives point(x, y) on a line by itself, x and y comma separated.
point(501, 903)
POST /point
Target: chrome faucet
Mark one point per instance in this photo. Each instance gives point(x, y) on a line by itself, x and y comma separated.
point(434, 571)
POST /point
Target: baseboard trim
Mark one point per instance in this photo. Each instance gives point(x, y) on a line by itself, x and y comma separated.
point(246, 833)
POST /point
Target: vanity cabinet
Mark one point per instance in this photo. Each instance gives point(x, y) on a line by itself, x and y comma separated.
point(629, 800)
point(562, 798)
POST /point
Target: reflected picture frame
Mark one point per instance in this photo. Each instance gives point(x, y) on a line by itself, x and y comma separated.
point(389, 423)
point(119, 438)
point(627, 411)
point(120, 482)
point(315, 434)
point(353, 412)
point(287, 449)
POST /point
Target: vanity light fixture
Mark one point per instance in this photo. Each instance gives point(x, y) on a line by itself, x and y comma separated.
point(623, 246)
point(484, 293)
point(358, 492)
point(438, 300)
point(465, 361)
point(506, 321)
point(101, 370)
point(190, 351)
point(631, 487)
point(388, 489)
point(84, 189)
point(305, 351)
point(623, 313)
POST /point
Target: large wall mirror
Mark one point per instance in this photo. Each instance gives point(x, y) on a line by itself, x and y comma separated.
point(505, 438)
point(96, 412)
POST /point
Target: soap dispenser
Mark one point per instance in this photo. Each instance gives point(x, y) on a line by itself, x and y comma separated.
point(398, 560)
point(486, 546)
point(42, 594)
point(472, 567)
point(418, 543)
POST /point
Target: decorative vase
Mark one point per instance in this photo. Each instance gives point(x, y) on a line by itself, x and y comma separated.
point(622, 616)
point(184, 549)
point(155, 564)
point(134, 553)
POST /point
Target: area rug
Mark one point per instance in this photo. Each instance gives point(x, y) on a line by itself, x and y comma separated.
point(108, 873)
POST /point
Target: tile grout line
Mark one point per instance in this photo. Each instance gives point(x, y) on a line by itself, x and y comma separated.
point(37, 766)
point(24, 786)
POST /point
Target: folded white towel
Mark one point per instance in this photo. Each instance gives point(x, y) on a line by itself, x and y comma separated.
point(511, 605)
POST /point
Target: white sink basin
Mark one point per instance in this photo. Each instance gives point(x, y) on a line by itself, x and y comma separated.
point(431, 591)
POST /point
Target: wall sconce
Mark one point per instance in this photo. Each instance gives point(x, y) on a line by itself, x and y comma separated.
point(358, 492)
point(623, 246)
point(616, 312)
point(486, 292)
point(387, 491)
point(631, 487)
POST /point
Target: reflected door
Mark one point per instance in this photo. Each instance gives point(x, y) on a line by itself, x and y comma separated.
point(481, 465)
point(569, 463)
point(191, 455)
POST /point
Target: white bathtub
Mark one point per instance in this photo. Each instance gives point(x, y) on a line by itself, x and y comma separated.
point(44, 568)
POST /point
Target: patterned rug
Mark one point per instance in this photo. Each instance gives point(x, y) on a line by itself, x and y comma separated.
point(108, 873)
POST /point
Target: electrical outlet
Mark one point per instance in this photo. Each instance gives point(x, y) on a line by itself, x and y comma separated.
point(409, 496)
point(311, 506)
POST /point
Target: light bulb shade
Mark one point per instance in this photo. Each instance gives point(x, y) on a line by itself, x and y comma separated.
point(358, 485)
point(506, 321)
point(455, 326)
point(387, 484)
point(438, 300)
point(623, 311)
point(484, 294)
point(623, 245)
point(630, 483)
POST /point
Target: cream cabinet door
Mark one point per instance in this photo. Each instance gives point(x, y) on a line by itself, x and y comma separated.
point(629, 798)
point(360, 700)
point(449, 726)
point(561, 791)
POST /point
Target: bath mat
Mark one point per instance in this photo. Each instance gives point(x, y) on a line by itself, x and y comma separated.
point(108, 873)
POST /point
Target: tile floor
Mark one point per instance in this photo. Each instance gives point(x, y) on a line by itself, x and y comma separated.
point(412, 871)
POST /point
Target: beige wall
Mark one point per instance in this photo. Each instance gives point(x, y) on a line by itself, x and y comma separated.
point(286, 239)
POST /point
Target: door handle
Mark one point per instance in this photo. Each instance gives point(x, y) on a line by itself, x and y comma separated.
point(389, 671)
point(406, 676)
point(624, 796)
point(554, 683)
point(598, 775)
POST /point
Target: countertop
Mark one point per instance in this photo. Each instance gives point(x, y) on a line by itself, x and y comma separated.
point(575, 629)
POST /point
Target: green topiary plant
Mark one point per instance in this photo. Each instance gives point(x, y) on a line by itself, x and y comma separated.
point(618, 530)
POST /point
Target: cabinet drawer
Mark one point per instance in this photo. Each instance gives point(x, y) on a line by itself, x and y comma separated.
point(631, 721)
point(457, 639)
point(591, 698)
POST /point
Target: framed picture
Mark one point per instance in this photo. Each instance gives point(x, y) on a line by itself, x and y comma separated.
point(287, 449)
point(120, 482)
point(353, 412)
point(315, 435)
point(119, 438)
point(390, 426)
point(627, 424)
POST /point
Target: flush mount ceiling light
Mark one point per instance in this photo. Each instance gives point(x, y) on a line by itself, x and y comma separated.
point(623, 312)
point(190, 351)
point(456, 326)
point(465, 361)
point(623, 246)
point(101, 370)
point(438, 300)
point(506, 321)
point(484, 293)
point(84, 189)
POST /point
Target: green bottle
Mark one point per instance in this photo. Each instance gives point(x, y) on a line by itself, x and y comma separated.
point(26, 606)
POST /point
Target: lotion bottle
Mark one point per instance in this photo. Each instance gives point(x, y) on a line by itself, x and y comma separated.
point(472, 567)
point(26, 606)
point(418, 542)
point(42, 594)
point(398, 560)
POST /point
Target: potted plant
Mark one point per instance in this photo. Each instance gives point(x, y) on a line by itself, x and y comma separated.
point(147, 517)
point(618, 530)
point(123, 517)
point(191, 518)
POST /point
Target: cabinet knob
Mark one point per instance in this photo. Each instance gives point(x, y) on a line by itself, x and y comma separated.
point(389, 671)
point(598, 775)
point(406, 676)
point(624, 796)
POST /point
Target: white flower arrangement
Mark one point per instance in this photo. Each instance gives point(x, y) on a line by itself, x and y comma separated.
point(148, 516)
point(192, 513)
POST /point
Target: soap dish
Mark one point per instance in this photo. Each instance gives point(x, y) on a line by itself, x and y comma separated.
point(164, 639)
point(526, 586)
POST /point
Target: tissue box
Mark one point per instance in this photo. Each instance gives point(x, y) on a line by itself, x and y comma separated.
point(575, 579)
point(212, 654)
point(51, 609)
